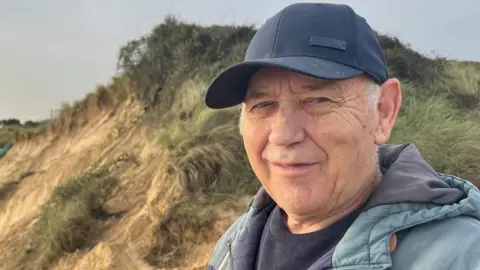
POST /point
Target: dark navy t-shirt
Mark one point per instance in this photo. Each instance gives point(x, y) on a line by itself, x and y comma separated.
point(282, 250)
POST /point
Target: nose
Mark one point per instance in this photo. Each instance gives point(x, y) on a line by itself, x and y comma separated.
point(287, 127)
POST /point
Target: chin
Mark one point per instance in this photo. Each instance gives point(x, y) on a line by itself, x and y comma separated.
point(300, 208)
point(301, 199)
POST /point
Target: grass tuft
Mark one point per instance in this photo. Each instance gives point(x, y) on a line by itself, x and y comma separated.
point(188, 224)
point(69, 216)
point(462, 83)
point(205, 150)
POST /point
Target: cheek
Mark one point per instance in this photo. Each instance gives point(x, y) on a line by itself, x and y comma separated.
point(349, 146)
point(255, 138)
point(342, 140)
point(344, 129)
point(333, 134)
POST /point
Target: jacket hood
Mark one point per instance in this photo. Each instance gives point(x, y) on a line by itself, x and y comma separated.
point(407, 177)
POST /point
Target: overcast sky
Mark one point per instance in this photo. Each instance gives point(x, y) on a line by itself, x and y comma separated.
point(56, 50)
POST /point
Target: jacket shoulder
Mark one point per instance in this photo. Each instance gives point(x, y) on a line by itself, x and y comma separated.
point(221, 251)
point(445, 244)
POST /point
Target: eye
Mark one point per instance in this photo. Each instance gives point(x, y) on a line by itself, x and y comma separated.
point(262, 105)
point(318, 100)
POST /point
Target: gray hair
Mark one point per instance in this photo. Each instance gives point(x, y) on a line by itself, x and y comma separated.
point(372, 94)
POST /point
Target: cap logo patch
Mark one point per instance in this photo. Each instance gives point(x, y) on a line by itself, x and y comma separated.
point(328, 43)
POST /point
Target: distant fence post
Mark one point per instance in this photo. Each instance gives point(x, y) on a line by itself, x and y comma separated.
point(54, 114)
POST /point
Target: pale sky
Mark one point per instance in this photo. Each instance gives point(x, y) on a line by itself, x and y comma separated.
point(56, 50)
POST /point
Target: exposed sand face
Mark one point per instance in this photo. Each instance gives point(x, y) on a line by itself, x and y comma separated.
point(143, 195)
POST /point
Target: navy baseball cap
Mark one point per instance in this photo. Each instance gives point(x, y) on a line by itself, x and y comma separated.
point(328, 41)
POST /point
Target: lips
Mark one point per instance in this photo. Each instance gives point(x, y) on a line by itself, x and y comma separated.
point(292, 168)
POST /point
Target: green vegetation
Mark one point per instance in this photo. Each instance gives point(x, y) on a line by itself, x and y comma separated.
point(446, 139)
point(33, 129)
point(13, 127)
point(10, 122)
point(159, 63)
point(6, 136)
point(169, 69)
point(68, 218)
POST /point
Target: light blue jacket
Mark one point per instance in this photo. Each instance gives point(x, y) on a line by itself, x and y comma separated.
point(435, 219)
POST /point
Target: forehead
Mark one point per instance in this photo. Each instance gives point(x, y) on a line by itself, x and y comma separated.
point(272, 79)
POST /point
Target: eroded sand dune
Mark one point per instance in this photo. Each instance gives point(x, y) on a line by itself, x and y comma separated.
point(143, 195)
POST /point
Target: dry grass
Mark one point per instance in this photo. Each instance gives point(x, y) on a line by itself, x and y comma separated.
point(188, 225)
point(205, 148)
point(67, 219)
point(462, 83)
point(449, 141)
point(77, 114)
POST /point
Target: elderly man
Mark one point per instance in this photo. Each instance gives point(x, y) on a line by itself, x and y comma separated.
point(318, 108)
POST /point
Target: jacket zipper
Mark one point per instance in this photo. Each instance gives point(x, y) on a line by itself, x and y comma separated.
point(230, 253)
point(228, 256)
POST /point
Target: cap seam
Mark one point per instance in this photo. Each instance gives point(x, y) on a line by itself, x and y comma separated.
point(366, 69)
point(276, 31)
point(354, 27)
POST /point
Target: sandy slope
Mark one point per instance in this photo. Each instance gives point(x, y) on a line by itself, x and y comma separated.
point(143, 195)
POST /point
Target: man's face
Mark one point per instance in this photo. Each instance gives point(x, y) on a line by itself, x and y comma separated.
point(311, 142)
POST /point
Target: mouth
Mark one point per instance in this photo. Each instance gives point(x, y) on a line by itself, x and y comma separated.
point(293, 168)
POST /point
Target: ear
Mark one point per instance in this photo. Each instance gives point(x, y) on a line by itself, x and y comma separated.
point(388, 107)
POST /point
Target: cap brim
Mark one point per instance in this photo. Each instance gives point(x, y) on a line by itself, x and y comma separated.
point(229, 87)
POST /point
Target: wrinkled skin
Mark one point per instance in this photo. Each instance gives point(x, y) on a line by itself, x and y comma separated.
point(312, 142)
